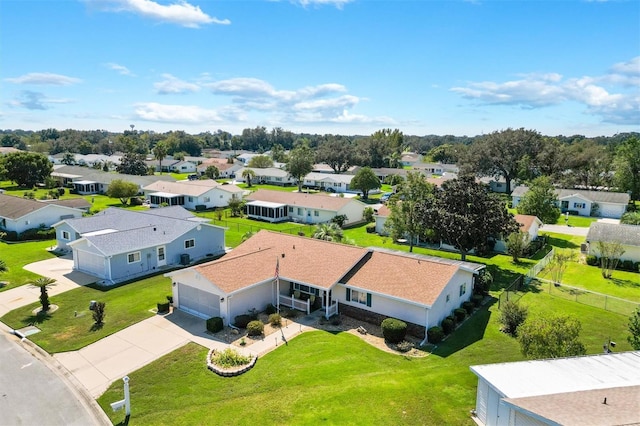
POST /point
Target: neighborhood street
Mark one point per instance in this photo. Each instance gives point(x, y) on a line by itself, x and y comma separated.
point(564, 229)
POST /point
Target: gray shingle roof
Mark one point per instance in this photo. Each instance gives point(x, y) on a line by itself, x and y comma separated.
point(595, 196)
point(87, 173)
point(12, 207)
point(625, 234)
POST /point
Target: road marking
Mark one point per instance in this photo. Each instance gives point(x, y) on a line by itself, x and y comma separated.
point(26, 365)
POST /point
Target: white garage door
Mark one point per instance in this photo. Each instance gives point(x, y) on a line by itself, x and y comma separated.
point(610, 210)
point(198, 302)
point(90, 263)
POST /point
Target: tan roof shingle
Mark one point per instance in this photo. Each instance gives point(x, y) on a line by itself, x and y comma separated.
point(314, 201)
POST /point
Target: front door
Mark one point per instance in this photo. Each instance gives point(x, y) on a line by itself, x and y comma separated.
point(162, 258)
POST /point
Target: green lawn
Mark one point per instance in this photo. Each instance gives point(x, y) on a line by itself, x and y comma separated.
point(577, 221)
point(625, 285)
point(71, 326)
point(322, 377)
point(16, 255)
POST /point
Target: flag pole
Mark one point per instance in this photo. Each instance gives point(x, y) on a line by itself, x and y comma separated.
point(278, 284)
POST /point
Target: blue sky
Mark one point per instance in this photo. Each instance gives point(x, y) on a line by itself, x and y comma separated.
point(321, 66)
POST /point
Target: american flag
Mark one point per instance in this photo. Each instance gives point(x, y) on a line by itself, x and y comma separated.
point(277, 274)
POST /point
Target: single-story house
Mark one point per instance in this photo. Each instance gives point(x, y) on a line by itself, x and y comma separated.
point(18, 214)
point(584, 202)
point(329, 182)
point(88, 181)
point(267, 175)
point(117, 244)
point(381, 216)
point(586, 390)
point(410, 158)
point(192, 194)
point(627, 235)
point(429, 168)
point(309, 274)
point(281, 206)
point(498, 184)
point(383, 173)
point(227, 170)
point(528, 223)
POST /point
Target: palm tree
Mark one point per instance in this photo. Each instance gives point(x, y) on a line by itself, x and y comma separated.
point(43, 283)
point(328, 232)
point(248, 174)
point(159, 153)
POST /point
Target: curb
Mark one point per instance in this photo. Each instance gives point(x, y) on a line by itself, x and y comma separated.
point(81, 394)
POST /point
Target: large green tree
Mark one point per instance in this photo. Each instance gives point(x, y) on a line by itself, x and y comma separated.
point(465, 215)
point(508, 153)
point(123, 190)
point(25, 168)
point(300, 164)
point(627, 167)
point(634, 330)
point(404, 221)
point(132, 164)
point(365, 180)
point(541, 200)
point(550, 337)
point(261, 162)
point(374, 151)
point(337, 152)
point(160, 153)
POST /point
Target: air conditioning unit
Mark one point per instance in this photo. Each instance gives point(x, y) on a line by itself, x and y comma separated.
point(185, 259)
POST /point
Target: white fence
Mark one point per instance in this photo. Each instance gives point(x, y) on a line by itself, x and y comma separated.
point(299, 304)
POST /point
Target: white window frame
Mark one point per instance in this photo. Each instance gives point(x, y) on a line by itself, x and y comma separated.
point(361, 297)
point(66, 235)
point(190, 243)
point(463, 288)
point(207, 199)
point(134, 255)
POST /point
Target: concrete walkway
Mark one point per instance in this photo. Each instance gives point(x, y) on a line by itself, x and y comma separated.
point(98, 365)
point(59, 268)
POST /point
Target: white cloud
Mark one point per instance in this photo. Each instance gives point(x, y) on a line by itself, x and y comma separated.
point(173, 85)
point(337, 3)
point(120, 69)
point(44, 78)
point(152, 111)
point(613, 96)
point(35, 101)
point(180, 12)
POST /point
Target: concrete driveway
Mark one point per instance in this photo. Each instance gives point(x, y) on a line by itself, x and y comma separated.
point(58, 268)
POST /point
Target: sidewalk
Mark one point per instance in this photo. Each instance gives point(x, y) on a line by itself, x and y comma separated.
point(59, 268)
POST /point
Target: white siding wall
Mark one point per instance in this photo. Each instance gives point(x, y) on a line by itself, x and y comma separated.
point(630, 252)
point(584, 211)
point(380, 221)
point(441, 308)
point(354, 211)
point(255, 297)
point(48, 215)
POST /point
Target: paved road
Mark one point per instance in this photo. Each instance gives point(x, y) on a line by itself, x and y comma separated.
point(33, 394)
point(564, 229)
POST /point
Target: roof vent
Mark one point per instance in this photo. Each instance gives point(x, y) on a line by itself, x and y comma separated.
point(294, 246)
point(283, 255)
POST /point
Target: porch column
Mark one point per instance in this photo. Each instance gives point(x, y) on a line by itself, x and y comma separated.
point(327, 304)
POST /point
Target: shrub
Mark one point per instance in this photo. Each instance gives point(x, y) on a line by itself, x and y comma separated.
point(290, 313)
point(163, 307)
point(636, 267)
point(435, 335)
point(135, 201)
point(241, 321)
point(477, 299)
point(511, 316)
point(448, 325)
point(10, 236)
point(275, 320)
point(99, 313)
point(270, 309)
point(229, 358)
point(335, 320)
point(368, 214)
point(393, 330)
point(255, 328)
point(468, 306)
point(371, 228)
point(61, 191)
point(627, 265)
point(592, 260)
point(460, 314)
point(215, 324)
point(404, 346)
point(170, 298)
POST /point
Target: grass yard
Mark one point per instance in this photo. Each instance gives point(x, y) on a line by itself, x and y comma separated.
point(16, 255)
point(623, 284)
point(71, 327)
point(577, 221)
point(322, 377)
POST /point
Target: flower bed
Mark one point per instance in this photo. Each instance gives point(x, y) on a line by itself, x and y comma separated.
point(234, 364)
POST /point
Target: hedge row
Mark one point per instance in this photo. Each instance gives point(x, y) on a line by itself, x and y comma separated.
point(623, 265)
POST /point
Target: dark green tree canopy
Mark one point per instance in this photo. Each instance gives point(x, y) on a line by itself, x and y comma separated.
point(132, 164)
point(627, 166)
point(122, 190)
point(365, 180)
point(261, 162)
point(25, 168)
point(540, 201)
point(466, 215)
point(337, 152)
point(300, 163)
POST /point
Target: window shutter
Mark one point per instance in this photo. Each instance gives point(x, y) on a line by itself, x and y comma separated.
point(369, 299)
point(348, 295)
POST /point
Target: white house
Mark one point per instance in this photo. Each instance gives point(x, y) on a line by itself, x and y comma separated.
point(381, 216)
point(86, 181)
point(280, 206)
point(226, 169)
point(329, 182)
point(308, 274)
point(117, 244)
point(18, 214)
point(583, 202)
point(528, 223)
point(586, 390)
point(192, 194)
point(267, 175)
point(627, 235)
